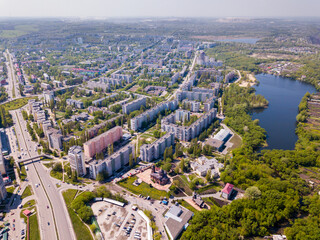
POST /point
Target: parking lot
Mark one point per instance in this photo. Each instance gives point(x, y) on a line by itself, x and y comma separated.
point(119, 222)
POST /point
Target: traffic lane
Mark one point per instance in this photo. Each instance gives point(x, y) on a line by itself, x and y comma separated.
point(45, 217)
point(59, 209)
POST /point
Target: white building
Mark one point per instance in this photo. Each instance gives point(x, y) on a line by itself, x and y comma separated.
point(76, 159)
point(3, 190)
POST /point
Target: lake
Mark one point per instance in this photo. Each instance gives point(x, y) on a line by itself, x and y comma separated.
point(241, 40)
point(279, 119)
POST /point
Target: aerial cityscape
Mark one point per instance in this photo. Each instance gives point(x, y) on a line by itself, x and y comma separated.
point(161, 125)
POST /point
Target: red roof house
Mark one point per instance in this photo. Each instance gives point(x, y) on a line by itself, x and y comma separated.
point(26, 212)
point(227, 190)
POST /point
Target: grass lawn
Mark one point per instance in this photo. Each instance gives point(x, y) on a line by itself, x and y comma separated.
point(210, 201)
point(57, 175)
point(27, 192)
point(23, 173)
point(143, 189)
point(183, 184)
point(206, 189)
point(69, 195)
point(187, 205)
point(34, 225)
point(10, 191)
point(30, 203)
point(48, 165)
point(18, 103)
point(80, 228)
point(237, 142)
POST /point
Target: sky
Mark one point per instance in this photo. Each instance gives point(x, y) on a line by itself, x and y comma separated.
point(159, 8)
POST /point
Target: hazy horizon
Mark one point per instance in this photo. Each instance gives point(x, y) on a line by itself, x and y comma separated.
point(159, 8)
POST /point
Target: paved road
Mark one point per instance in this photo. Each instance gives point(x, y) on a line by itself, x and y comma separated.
point(46, 194)
point(186, 78)
point(12, 81)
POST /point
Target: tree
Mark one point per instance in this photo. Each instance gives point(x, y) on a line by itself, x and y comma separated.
point(253, 192)
point(208, 176)
point(57, 167)
point(74, 176)
point(167, 167)
point(182, 166)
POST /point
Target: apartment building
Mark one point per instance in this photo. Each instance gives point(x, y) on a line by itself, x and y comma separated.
point(184, 133)
point(125, 77)
point(99, 143)
point(194, 106)
point(48, 96)
point(76, 159)
point(74, 103)
point(112, 163)
point(2, 165)
point(3, 190)
point(54, 138)
point(149, 152)
point(92, 132)
point(46, 86)
point(136, 123)
point(100, 100)
point(134, 105)
point(174, 78)
point(198, 94)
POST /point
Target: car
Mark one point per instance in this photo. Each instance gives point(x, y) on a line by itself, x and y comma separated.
point(14, 229)
point(13, 225)
point(48, 224)
point(13, 220)
point(47, 206)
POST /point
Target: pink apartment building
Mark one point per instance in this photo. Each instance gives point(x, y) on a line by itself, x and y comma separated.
point(97, 144)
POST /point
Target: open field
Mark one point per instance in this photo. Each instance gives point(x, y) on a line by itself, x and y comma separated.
point(18, 31)
point(17, 103)
point(143, 189)
point(183, 185)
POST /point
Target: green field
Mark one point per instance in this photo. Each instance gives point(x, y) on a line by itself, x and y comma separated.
point(23, 173)
point(34, 225)
point(183, 184)
point(17, 103)
point(81, 230)
point(206, 189)
point(143, 189)
point(187, 205)
point(27, 192)
point(18, 31)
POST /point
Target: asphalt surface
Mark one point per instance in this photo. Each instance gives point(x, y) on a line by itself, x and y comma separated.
point(54, 217)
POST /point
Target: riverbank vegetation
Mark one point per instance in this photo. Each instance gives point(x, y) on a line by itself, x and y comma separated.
point(283, 195)
point(308, 123)
point(237, 102)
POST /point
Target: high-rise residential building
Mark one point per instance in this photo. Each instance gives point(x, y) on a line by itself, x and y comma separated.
point(134, 105)
point(112, 163)
point(54, 138)
point(99, 143)
point(149, 152)
point(48, 96)
point(3, 190)
point(184, 133)
point(136, 123)
point(76, 159)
